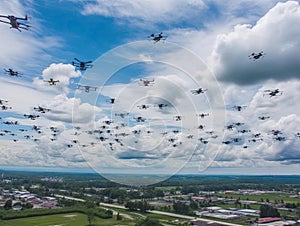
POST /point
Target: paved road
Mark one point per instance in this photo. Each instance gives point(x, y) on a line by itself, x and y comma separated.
point(171, 215)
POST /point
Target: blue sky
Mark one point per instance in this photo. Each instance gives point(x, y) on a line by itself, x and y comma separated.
point(207, 46)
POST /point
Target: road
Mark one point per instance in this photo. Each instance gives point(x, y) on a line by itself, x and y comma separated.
point(171, 214)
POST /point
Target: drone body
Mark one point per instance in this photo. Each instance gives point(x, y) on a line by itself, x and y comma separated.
point(157, 37)
point(198, 91)
point(51, 81)
point(86, 88)
point(146, 82)
point(82, 65)
point(13, 22)
point(256, 56)
point(13, 73)
point(273, 93)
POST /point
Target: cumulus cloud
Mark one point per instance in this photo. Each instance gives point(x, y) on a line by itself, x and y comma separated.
point(139, 12)
point(59, 72)
point(273, 35)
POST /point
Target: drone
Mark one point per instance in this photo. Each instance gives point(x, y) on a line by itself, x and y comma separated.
point(86, 88)
point(3, 107)
point(236, 139)
point(111, 100)
point(256, 56)
point(161, 106)
point(143, 107)
point(273, 93)
point(275, 132)
point(198, 91)
point(177, 118)
point(230, 127)
point(202, 140)
point(280, 138)
point(51, 81)
point(263, 117)
point(146, 82)
point(139, 119)
point(157, 37)
point(122, 115)
point(202, 115)
point(254, 140)
point(13, 73)
point(238, 107)
point(11, 123)
point(81, 65)
point(3, 101)
point(226, 142)
point(32, 117)
point(244, 131)
point(13, 21)
point(41, 109)
point(238, 123)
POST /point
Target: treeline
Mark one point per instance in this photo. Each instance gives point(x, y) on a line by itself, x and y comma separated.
point(141, 206)
point(10, 214)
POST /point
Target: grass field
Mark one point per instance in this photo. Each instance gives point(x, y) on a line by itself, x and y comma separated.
point(70, 219)
point(271, 197)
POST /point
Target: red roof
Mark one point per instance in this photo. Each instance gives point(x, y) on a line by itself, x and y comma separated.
point(268, 219)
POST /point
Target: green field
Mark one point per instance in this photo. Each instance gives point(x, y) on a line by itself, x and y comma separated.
point(271, 197)
point(70, 219)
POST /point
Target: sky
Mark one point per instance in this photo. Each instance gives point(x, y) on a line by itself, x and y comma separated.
point(142, 113)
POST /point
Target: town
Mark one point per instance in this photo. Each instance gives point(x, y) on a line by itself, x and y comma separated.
point(180, 200)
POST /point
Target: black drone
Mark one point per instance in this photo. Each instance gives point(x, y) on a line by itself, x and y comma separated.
point(41, 109)
point(32, 117)
point(146, 82)
point(202, 115)
point(13, 21)
point(198, 91)
point(256, 56)
point(238, 107)
point(81, 65)
point(157, 37)
point(51, 81)
point(12, 73)
point(273, 93)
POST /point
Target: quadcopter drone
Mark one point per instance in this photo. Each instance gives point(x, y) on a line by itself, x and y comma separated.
point(51, 81)
point(81, 65)
point(273, 93)
point(13, 21)
point(146, 82)
point(12, 73)
point(238, 107)
point(86, 88)
point(256, 56)
point(157, 37)
point(41, 109)
point(198, 91)
point(202, 115)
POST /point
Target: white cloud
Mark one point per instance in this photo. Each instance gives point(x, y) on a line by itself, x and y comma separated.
point(148, 11)
point(274, 34)
point(61, 72)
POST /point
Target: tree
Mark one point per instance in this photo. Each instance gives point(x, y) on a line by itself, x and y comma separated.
point(149, 222)
point(268, 211)
point(8, 204)
point(91, 216)
point(119, 217)
point(180, 207)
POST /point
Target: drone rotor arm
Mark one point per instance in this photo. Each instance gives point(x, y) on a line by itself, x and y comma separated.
point(4, 21)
